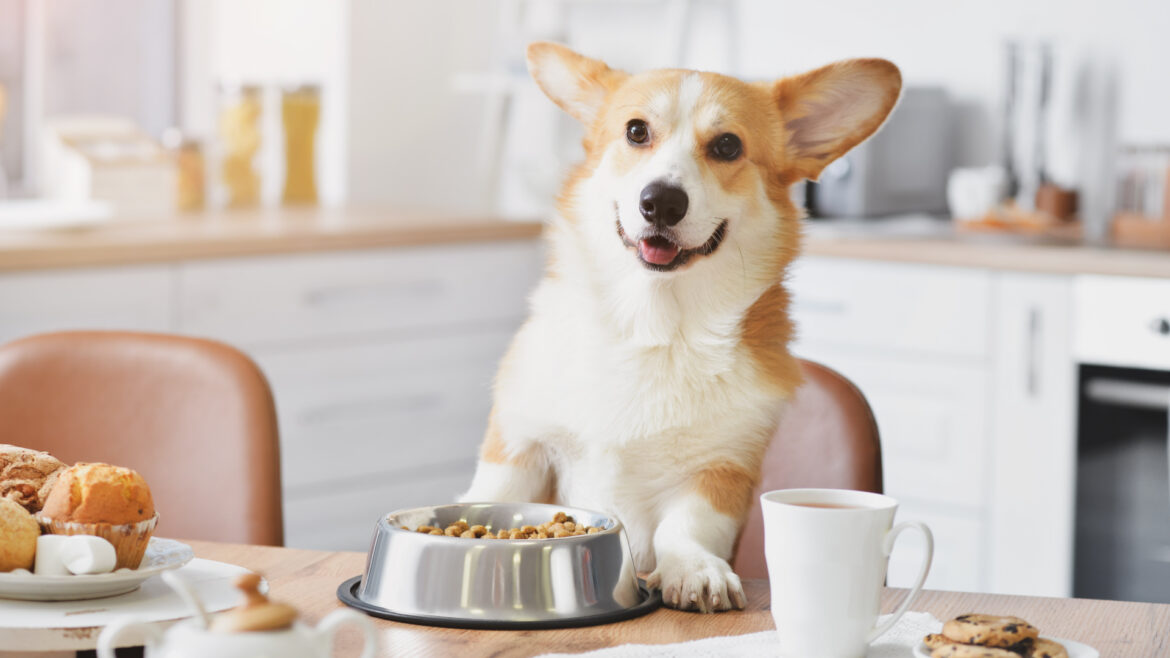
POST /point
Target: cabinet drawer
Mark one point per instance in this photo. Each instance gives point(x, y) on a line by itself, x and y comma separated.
point(913, 309)
point(260, 301)
point(1122, 321)
point(343, 518)
point(958, 548)
point(348, 412)
point(932, 420)
point(137, 298)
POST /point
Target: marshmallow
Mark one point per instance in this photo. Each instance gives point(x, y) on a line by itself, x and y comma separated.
point(87, 554)
point(48, 559)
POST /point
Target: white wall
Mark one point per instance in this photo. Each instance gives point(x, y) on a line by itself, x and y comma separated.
point(958, 44)
point(413, 139)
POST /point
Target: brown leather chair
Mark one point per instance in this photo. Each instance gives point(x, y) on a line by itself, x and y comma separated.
point(194, 417)
point(828, 438)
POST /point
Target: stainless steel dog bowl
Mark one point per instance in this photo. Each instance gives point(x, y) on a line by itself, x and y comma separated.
point(498, 583)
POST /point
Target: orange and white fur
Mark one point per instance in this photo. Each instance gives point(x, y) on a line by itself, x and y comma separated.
point(653, 369)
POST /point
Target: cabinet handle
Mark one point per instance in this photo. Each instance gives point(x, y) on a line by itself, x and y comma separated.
point(1160, 326)
point(416, 289)
point(1033, 373)
point(1137, 395)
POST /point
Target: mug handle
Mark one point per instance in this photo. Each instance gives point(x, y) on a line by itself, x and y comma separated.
point(108, 638)
point(329, 625)
point(887, 548)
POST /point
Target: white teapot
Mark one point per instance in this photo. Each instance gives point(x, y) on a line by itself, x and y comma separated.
point(258, 628)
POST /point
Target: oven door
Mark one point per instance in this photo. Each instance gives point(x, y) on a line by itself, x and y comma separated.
point(1122, 549)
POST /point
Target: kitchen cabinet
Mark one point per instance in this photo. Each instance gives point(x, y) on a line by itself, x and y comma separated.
point(256, 302)
point(1033, 437)
point(1123, 321)
point(867, 306)
point(916, 340)
point(373, 426)
point(972, 380)
point(971, 377)
point(380, 360)
point(132, 297)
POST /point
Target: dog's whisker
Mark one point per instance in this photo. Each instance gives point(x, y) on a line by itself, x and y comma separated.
point(742, 260)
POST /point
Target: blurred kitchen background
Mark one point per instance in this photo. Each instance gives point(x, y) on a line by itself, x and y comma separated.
point(352, 191)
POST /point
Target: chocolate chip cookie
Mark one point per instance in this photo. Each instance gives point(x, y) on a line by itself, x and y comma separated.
point(1045, 648)
point(947, 649)
point(989, 630)
point(935, 640)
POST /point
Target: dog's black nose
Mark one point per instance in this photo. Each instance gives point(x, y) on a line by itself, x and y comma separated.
point(663, 204)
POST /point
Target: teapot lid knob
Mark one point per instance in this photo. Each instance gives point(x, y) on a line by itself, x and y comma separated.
point(256, 613)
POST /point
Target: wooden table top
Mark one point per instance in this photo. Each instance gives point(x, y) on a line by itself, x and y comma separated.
point(309, 580)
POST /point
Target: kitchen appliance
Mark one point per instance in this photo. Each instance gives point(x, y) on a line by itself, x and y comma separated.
point(1122, 539)
point(498, 583)
point(901, 169)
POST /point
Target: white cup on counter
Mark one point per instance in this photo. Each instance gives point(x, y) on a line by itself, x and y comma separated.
point(973, 192)
point(827, 552)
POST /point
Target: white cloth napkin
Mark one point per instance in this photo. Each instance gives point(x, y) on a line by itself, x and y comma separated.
point(898, 642)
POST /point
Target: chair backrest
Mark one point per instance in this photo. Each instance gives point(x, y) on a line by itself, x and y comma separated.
point(194, 417)
point(827, 438)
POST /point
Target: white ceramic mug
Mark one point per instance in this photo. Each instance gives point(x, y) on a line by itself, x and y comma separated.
point(827, 553)
point(973, 192)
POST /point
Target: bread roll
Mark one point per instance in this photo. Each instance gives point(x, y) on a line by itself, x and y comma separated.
point(18, 536)
point(27, 476)
point(99, 493)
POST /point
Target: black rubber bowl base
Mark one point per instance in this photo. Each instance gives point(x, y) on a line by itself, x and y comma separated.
point(347, 593)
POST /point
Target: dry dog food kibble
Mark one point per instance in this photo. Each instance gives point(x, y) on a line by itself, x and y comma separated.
point(562, 525)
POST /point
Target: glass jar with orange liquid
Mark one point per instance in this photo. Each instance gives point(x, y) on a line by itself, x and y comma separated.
point(300, 109)
point(239, 133)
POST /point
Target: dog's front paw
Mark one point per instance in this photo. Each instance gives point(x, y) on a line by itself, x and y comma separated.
point(698, 581)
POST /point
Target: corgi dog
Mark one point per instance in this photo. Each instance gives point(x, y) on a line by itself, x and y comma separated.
point(651, 373)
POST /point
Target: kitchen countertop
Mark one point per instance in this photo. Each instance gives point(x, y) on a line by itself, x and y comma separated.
point(245, 233)
point(915, 239)
point(921, 239)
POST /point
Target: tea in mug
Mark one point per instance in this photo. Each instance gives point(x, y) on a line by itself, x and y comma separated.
point(828, 505)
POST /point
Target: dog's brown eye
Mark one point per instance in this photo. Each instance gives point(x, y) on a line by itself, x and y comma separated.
point(637, 132)
point(726, 147)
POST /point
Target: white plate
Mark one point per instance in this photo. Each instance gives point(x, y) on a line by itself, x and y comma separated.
point(161, 555)
point(1074, 649)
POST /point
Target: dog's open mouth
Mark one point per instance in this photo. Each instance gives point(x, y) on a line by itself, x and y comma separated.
point(658, 252)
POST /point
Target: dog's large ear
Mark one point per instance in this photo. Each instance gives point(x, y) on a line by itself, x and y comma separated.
point(830, 110)
point(577, 84)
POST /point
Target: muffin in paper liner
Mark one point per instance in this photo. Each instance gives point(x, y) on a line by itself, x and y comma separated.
point(129, 539)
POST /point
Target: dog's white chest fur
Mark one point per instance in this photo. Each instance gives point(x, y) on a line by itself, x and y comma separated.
point(627, 416)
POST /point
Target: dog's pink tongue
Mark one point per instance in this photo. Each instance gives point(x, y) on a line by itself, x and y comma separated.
point(658, 253)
